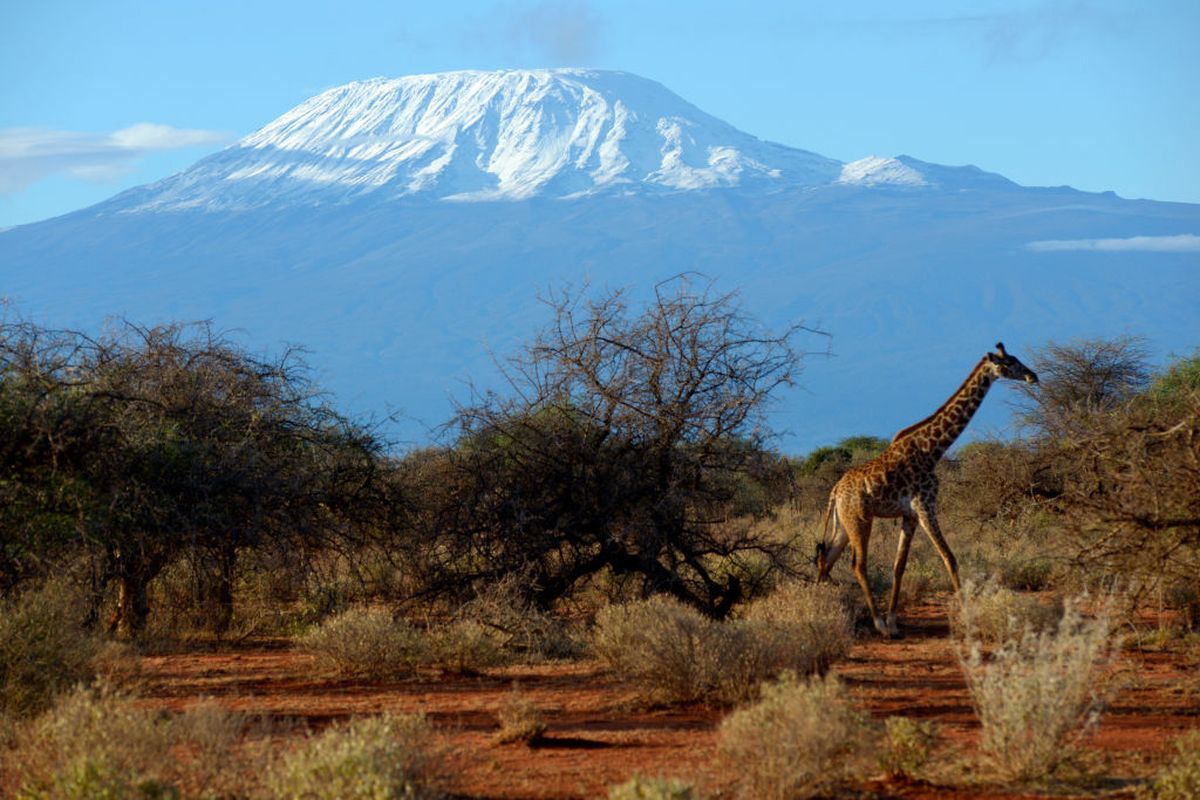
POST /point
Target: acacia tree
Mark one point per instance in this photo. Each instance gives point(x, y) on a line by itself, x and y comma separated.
point(175, 441)
point(624, 444)
point(1081, 380)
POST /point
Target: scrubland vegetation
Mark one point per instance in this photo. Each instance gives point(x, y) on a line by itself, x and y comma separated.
point(161, 488)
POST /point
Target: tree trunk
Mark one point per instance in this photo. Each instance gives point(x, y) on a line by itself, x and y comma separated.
point(220, 588)
point(133, 572)
point(133, 607)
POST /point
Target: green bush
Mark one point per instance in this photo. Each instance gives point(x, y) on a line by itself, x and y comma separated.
point(1179, 778)
point(801, 740)
point(373, 758)
point(367, 643)
point(44, 648)
point(907, 746)
point(639, 788)
point(1179, 380)
point(1039, 694)
point(95, 743)
point(816, 616)
point(98, 778)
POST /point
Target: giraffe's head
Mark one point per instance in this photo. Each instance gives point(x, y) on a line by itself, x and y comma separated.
point(1010, 367)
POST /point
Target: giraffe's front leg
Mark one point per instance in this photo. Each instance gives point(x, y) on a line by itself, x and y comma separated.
point(908, 528)
point(859, 534)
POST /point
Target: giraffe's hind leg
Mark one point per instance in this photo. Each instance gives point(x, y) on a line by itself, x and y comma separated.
point(926, 509)
point(830, 557)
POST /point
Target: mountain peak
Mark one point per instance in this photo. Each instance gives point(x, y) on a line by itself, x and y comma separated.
point(473, 135)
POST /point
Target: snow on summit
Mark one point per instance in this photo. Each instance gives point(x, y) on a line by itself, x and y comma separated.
point(878, 170)
point(511, 134)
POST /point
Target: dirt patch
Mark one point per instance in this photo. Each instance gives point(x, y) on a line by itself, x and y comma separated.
point(598, 734)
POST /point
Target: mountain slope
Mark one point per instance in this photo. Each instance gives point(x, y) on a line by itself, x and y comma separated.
point(312, 230)
point(506, 135)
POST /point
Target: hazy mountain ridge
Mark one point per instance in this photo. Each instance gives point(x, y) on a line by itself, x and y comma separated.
point(914, 268)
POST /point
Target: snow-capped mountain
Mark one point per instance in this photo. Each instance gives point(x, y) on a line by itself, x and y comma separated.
point(402, 229)
point(507, 135)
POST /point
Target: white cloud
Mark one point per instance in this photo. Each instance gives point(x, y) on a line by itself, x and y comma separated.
point(27, 155)
point(1183, 243)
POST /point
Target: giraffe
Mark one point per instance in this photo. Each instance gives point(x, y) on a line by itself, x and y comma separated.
point(900, 482)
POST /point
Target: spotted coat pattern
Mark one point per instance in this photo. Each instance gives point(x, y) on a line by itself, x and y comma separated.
point(901, 482)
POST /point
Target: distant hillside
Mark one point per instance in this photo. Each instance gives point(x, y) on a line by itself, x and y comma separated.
point(402, 229)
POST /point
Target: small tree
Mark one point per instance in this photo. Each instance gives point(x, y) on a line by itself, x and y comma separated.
point(1079, 380)
point(625, 445)
point(1118, 460)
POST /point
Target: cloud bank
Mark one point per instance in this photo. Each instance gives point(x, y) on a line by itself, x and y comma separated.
point(1183, 243)
point(553, 32)
point(28, 155)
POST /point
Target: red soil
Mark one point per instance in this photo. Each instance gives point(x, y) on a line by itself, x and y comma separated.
point(599, 735)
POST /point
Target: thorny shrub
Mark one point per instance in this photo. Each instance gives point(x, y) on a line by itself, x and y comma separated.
point(1038, 694)
point(367, 643)
point(98, 743)
point(673, 653)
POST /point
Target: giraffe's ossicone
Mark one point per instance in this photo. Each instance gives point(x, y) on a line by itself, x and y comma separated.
point(901, 482)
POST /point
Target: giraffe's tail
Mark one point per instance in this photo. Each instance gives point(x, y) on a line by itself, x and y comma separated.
point(823, 545)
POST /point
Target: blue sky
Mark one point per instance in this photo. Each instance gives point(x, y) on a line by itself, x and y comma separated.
point(98, 97)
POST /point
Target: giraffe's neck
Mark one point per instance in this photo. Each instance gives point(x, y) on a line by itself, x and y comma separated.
point(935, 434)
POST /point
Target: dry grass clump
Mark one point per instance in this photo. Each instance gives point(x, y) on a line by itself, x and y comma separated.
point(1179, 777)
point(207, 734)
point(816, 615)
point(520, 630)
point(804, 738)
point(98, 743)
point(640, 788)
point(673, 653)
point(493, 629)
point(991, 612)
point(464, 646)
point(499, 625)
point(907, 746)
point(44, 648)
point(372, 758)
point(1038, 694)
point(367, 643)
point(520, 720)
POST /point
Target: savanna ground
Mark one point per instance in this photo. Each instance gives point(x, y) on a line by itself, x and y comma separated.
point(214, 585)
point(598, 733)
